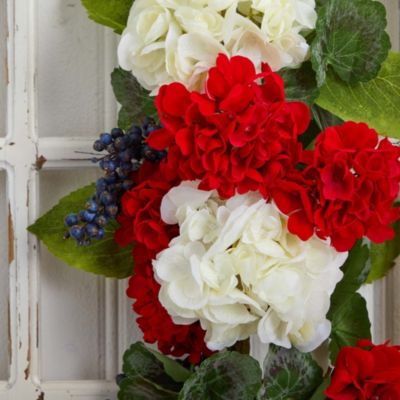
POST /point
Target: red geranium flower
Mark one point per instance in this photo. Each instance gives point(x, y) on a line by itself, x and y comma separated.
point(154, 320)
point(347, 190)
point(366, 372)
point(140, 220)
point(141, 223)
point(239, 131)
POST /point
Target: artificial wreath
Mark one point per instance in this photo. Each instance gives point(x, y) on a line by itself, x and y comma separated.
point(249, 190)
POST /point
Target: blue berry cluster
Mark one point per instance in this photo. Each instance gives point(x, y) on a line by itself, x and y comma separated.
point(125, 154)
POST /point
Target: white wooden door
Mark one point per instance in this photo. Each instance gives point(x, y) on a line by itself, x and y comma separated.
point(63, 332)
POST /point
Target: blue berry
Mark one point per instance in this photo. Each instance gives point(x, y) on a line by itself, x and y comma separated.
point(149, 153)
point(71, 219)
point(117, 132)
point(101, 185)
point(125, 155)
point(76, 232)
point(98, 145)
point(91, 206)
point(100, 234)
point(106, 198)
point(112, 210)
point(106, 139)
point(101, 220)
point(135, 136)
point(121, 143)
point(110, 179)
point(89, 216)
point(111, 166)
point(81, 215)
point(92, 230)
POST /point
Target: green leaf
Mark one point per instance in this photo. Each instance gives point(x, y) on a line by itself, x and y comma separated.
point(348, 312)
point(350, 37)
point(103, 257)
point(323, 118)
point(300, 84)
point(355, 270)
point(139, 388)
point(376, 103)
point(136, 102)
point(350, 322)
point(289, 374)
point(319, 393)
point(139, 361)
point(226, 375)
point(383, 256)
point(111, 13)
point(175, 370)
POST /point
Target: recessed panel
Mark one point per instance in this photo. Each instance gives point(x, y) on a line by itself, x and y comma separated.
point(5, 240)
point(3, 67)
point(70, 70)
point(71, 302)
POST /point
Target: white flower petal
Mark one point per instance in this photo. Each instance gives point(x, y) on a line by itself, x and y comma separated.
point(253, 276)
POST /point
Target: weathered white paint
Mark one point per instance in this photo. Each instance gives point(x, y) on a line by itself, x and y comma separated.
point(68, 329)
point(4, 282)
point(3, 67)
point(64, 323)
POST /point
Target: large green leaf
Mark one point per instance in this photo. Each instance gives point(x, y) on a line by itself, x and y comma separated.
point(224, 376)
point(300, 84)
point(139, 388)
point(172, 368)
point(102, 257)
point(350, 322)
point(289, 374)
point(135, 101)
point(111, 13)
point(141, 361)
point(383, 256)
point(348, 312)
point(376, 102)
point(150, 375)
point(351, 38)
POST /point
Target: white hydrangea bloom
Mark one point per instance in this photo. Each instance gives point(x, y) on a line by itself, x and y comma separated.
point(178, 40)
point(236, 269)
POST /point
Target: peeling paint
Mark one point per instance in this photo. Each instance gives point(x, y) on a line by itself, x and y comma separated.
point(11, 254)
point(27, 371)
point(41, 396)
point(40, 161)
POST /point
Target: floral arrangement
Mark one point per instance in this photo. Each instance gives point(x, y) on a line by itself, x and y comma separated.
point(250, 189)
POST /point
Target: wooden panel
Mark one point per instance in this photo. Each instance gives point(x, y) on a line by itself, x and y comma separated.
point(4, 281)
point(71, 72)
point(3, 67)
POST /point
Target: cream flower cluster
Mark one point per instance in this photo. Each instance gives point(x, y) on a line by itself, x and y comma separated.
point(179, 40)
point(236, 269)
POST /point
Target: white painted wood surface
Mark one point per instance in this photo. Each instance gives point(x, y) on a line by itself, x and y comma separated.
point(66, 330)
